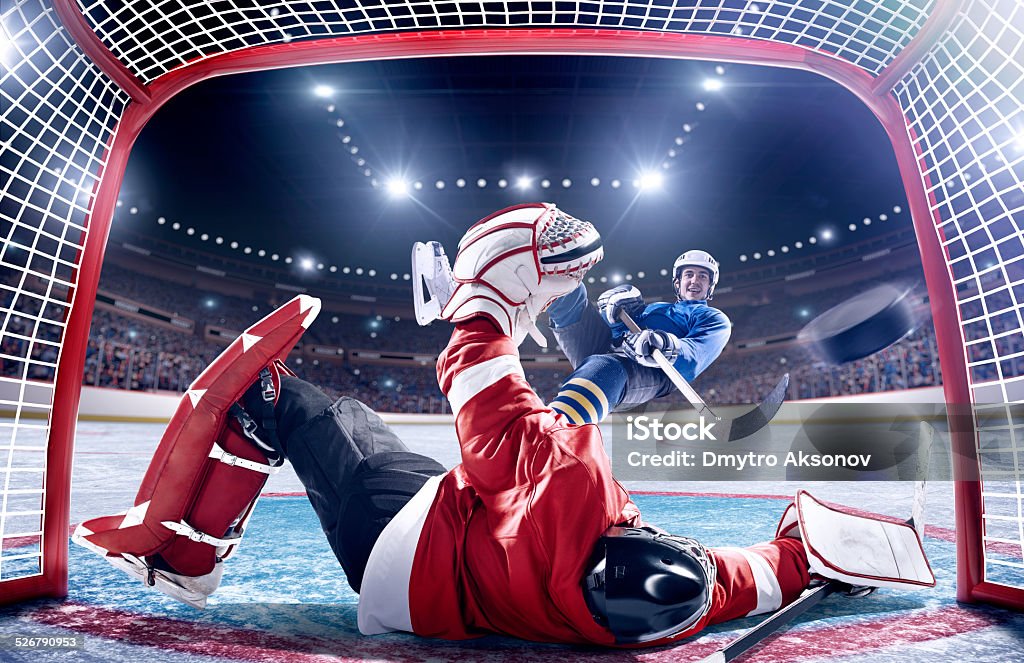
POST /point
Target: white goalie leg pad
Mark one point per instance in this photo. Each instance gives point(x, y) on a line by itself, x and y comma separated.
point(861, 549)
point(192, 590)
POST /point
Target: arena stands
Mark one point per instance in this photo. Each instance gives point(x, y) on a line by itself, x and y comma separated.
point(157, 334)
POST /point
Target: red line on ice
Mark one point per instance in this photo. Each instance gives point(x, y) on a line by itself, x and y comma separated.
point(239, 644)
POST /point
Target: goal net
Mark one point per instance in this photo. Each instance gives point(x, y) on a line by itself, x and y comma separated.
point(79, 79)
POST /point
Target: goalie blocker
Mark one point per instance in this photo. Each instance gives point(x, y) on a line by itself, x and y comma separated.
point(208, 470)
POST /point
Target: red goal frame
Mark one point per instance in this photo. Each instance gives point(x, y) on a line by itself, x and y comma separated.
point(873, 91)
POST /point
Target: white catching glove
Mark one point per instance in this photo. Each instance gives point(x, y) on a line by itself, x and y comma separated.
point(620, 298)
point(640, 346)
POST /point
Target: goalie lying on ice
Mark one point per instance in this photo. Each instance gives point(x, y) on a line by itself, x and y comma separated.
point(531, 535)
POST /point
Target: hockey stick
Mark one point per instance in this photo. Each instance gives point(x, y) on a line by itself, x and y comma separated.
point(743, 426)
point(816, 595)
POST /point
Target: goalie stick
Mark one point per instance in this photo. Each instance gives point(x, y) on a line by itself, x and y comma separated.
point(742, 426)
point(815, 595)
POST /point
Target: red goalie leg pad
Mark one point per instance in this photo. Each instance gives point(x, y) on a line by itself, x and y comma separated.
point(207, 471)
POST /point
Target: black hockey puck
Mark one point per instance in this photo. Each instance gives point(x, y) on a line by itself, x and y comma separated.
point(862, 325)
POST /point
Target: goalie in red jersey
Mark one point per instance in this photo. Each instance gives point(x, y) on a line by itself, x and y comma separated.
point(530, 535)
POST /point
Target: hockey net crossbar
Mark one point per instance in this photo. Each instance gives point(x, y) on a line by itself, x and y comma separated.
point(81, 78)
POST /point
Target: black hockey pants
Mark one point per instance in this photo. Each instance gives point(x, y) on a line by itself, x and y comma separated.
point(356, 471)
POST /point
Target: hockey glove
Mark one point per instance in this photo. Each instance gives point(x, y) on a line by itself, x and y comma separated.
point(640, 346)
point(620, 298)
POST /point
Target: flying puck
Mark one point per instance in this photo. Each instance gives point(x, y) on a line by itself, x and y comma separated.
point(862, 325)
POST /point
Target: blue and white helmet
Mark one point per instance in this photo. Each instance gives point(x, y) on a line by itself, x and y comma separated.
point(696, 258)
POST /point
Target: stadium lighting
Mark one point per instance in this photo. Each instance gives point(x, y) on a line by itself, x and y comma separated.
point(713, 84)
point(616, 278)
point(398, 187)
point(306, 264)
point(826, 234)
point(323, 91)
point(650, 180)
point(523, 182)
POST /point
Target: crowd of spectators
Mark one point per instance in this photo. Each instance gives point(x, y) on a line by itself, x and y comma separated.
point(126, 351)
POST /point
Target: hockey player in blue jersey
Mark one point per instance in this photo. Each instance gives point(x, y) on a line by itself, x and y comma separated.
point(614, 369)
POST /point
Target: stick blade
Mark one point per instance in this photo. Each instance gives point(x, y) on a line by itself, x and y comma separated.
point(747, 424)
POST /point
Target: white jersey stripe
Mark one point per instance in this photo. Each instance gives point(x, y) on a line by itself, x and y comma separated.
point(471, 381)
point(769, 594)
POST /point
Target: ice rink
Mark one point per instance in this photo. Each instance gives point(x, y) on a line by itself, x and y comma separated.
point(284, 597)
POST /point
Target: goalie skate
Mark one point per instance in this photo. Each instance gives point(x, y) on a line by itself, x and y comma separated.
point(432, 271)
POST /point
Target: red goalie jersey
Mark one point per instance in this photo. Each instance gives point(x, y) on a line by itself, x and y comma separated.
point(500, 543)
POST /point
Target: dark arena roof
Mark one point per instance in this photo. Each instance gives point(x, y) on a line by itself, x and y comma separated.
point(328, 173)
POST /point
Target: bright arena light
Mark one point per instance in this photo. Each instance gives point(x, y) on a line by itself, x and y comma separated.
point(523, 182)
point(826, 234)
point(651, 180)
point(398, 187)
point(323, 91)
point(713, 84)
point(306, 263)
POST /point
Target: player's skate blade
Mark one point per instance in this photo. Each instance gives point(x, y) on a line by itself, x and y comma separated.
point(431, 276)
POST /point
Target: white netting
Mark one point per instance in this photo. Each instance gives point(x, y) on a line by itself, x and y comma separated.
point(965, 106)
point(58, 115)
point(152, 38)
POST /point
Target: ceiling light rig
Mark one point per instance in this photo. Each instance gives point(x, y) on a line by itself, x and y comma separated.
point(713, 83)
point(305, 263)
point(522, 182)
point(825, 236)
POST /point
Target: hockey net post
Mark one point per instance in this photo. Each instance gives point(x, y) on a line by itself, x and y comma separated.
point(80, 80)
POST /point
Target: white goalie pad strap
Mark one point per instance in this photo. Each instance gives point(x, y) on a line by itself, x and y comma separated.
point(184, 529)
point(219, 454)
point(859, 549)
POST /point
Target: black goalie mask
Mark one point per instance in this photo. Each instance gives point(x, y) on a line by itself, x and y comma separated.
point(645, 585)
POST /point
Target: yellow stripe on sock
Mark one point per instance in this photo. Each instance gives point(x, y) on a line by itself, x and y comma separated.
point(594, 389)
point(582, 400)
point(567, 411)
